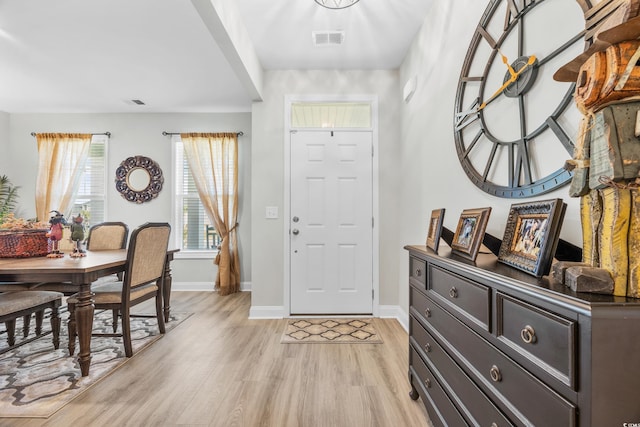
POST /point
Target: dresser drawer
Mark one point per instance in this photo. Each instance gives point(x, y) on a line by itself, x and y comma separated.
point(417, 269)
point(545, 338)
point(470, 301)
point(474, 404)
point(440, 409)
point(526, 397)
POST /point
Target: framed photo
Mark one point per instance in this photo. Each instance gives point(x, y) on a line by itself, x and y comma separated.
point(531, 235)
point(469, 232)
point(435, 229)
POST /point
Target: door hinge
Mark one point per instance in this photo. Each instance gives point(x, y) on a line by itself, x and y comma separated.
point(372, 151)
point(373, 294)
point(372, 222)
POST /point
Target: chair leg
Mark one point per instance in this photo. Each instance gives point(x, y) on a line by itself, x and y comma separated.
point(159, 313)
point(26, 324)
point(39, 319)
point(10, 325)
point(55, 327)
point(71, 326)
point(126, 333)
point(115, 320)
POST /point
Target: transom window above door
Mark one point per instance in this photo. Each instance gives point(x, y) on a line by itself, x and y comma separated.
point(356, 115)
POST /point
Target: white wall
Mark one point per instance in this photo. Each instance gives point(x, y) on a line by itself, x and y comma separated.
point(134, 134)
point(268, 167)
point(427, 143)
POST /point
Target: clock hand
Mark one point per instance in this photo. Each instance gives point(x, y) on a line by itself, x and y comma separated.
point(512, 79)
point(506, 62)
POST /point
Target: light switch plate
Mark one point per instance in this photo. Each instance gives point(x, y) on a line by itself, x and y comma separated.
point(271, 212)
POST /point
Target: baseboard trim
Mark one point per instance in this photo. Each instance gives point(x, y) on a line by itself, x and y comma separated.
point(203, 286)
point(395, 312)
point(267, 312)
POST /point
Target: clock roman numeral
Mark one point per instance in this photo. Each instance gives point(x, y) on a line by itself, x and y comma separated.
point(485, 35)
point(518, 163)
point(514, 9)
point(473, 143)
point(492, 156)
point(470, 115)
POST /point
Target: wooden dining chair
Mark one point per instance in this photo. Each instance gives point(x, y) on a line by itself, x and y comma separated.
point(146, 257)
point(14, 305)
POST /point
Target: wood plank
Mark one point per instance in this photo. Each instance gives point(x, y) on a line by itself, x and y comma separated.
point(221, 369)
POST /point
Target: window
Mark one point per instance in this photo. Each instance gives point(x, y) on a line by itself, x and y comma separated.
point(90, 197)
point(331, 115)
point(197, 233)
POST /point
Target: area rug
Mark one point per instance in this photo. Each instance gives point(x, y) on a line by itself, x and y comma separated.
point(36, 380)
point(346, 331)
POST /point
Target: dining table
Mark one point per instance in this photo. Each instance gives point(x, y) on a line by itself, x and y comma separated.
point(80, 271)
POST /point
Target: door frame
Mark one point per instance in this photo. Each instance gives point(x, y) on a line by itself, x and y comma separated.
point(373, 101)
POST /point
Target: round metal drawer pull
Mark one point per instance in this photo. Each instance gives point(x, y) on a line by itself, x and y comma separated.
point(528, 334)
point(496, 376)
point(453, 292)
point(427, 382)
point(427, 347)
point(418, 272)
point(427, 312)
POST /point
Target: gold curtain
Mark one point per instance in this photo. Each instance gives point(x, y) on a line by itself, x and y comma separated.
point(213, 161)
point(61, 159)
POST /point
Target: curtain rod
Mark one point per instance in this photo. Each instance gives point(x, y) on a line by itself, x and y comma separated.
point(103, 133)
point(165, 133)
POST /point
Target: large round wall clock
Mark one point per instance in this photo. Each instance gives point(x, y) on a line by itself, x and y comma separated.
point(515, 126)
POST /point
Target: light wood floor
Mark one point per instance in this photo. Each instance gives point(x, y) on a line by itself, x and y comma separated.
point(221, 369)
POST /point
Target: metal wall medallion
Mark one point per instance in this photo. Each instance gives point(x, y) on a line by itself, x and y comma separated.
point(139, 179)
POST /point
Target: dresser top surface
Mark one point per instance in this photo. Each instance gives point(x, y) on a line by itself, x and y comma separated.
point(486, 266)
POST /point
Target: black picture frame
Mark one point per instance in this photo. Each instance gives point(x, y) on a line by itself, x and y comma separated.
point(531, 235)
point(470, 232)
point(435, 229)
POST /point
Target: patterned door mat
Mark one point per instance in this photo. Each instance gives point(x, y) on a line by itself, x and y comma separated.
point(344, 331)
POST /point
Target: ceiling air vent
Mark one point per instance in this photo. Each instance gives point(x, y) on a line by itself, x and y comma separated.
point(137, 101)
point(327, 38)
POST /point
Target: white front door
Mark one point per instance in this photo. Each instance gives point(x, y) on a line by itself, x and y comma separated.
point(331, 223)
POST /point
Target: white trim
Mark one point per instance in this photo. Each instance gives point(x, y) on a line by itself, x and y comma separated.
point(174, 186)
point(203, 286)
point(395, 312)
point(186, 254)
point(373, 100)
point(266, 312)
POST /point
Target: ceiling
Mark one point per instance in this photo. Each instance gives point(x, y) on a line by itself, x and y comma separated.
point(90, 56)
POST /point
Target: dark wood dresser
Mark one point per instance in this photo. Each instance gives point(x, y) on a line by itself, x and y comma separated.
point(490, 345)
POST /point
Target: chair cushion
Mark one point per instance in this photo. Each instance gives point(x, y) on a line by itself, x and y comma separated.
point(12, 302)
point(111, 293)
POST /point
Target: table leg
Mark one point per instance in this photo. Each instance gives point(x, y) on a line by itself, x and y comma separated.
point(166, 288)
point(84, 326)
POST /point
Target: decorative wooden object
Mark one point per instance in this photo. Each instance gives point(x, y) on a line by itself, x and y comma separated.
point(589, 279)
point(606, 161)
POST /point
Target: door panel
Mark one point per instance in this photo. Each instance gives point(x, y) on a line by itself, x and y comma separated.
point(331, 242)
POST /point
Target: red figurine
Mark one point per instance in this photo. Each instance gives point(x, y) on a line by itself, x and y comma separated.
point(57, 223)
